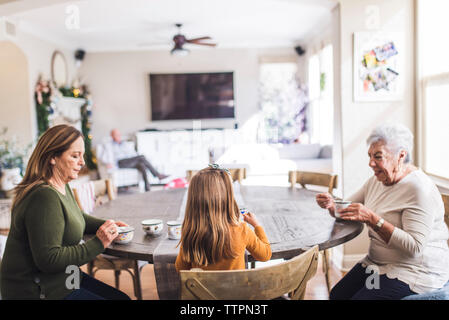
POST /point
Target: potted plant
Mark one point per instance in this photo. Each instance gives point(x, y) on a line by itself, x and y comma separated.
point(12, 162)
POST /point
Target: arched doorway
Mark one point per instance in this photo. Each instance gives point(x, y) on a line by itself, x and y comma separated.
point(15, 109)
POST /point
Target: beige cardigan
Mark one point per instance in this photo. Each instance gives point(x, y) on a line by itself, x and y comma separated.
point(417, 252)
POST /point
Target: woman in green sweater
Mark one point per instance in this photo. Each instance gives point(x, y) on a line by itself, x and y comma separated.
point(44, 249)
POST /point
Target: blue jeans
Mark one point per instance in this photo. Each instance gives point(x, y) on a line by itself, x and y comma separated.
point(354, 286)
point(439, 294)
point(93, 289)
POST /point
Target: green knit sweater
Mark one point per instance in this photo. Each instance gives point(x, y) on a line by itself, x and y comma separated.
point(44, 239)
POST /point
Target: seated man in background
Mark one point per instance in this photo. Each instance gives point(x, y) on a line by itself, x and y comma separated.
point(118, 153)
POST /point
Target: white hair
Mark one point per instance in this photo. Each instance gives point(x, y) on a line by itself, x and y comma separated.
point(396, 137)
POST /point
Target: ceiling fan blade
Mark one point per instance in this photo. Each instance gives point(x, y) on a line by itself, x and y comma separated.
point(198, 39)
point(205, 44)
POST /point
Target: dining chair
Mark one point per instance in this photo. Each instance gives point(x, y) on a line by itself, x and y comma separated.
point(271, 282)
point(237, 174)
point(88, 196)
point(305, 178)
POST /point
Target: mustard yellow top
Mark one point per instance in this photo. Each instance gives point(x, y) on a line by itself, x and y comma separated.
point(243, 237)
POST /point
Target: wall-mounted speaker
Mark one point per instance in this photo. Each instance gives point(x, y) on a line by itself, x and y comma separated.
point(299, 50)
point(79, 54)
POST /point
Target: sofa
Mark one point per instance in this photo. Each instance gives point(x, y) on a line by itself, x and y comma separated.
point(277, 159)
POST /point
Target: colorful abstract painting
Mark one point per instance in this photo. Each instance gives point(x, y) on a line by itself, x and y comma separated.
point(378, 59)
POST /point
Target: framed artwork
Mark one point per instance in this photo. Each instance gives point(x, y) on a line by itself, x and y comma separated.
point(378, 66)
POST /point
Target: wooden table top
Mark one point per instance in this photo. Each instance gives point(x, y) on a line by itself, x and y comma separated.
point(291, 218)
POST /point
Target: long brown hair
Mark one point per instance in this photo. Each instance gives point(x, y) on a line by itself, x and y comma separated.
point(52, 143)
point(211, 210)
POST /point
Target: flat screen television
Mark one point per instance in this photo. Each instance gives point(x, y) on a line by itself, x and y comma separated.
point(179, 96)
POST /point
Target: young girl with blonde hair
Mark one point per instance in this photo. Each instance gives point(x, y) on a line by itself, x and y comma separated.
point(213, 237)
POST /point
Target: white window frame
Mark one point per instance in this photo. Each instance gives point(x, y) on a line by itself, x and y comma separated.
point(421, 85)
point(434, 80)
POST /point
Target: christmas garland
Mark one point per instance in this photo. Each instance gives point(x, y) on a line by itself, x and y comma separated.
point(44, 108)
point(86, 112)
point(42, 95)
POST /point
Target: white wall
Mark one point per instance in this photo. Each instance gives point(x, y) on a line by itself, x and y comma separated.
point(119, 85)
point(38, 54)
point(358, 119)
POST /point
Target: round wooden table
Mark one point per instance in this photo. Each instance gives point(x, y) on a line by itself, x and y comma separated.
point(291, 218)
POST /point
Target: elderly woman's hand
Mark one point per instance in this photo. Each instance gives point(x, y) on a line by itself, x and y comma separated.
point(326, 201)
point(357, 212)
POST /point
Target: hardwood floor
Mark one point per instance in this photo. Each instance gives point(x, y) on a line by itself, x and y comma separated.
point(316, 288)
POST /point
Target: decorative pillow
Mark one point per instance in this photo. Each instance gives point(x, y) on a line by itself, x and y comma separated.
point(177, 184)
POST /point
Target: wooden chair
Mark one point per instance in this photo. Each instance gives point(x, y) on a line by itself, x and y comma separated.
point(106, 262)
point(313, 178)
point(102, 188)
point(252, 284)
point(318, 179)
point(237, 174)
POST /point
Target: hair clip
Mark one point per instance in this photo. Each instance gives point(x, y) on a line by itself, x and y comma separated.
point(217, 167)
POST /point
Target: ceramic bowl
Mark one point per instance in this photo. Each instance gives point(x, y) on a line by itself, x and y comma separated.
point(153, 227)
point(174, 229)
point(125, 235)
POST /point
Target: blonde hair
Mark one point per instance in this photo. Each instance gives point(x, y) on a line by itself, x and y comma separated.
point(53, 143)
point(211, 210)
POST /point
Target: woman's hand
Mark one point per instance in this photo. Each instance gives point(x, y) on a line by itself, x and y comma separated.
point(251, 219)
point(107, 232)
point(326, 201)
point(358, 212)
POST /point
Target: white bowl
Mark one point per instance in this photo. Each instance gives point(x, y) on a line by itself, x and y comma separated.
point(125, 235)
point(153, 227)
point(174, 229)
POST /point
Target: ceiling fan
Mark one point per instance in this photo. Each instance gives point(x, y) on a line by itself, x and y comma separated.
point(179, 41)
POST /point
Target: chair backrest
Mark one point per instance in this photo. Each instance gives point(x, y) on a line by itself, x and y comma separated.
point(89, 194)
point(237, 174)
point(313, 178)
point(252, 284)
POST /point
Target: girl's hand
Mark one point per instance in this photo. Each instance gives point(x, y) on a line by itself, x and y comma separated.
point(251, 219)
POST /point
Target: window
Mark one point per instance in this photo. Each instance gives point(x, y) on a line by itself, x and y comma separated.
point(283, 102)
point(433, 67)
point(321, 96)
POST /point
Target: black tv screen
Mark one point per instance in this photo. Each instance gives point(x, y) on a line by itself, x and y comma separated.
point(192, 96)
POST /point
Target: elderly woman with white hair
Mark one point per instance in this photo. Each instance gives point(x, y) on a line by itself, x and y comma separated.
point(404, 212)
